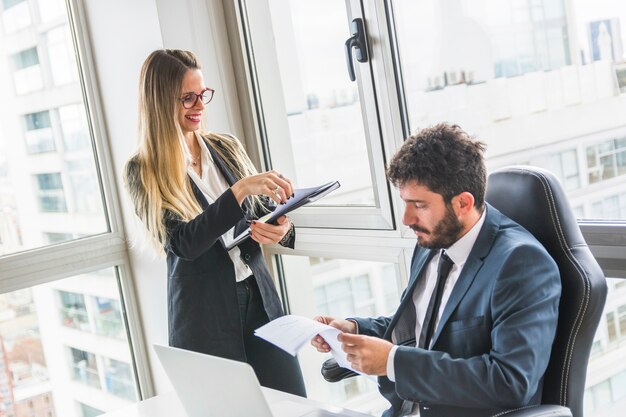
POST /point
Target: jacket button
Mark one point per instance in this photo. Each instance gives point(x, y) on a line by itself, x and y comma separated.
point(246, 256)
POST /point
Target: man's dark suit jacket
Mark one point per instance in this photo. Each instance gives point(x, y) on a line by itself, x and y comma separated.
point(203, 310)
point(492, 345)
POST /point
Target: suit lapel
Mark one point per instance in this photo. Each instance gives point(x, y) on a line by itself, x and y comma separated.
point(474, 262)
point(221, 165)
point(230, 179)
point(198, 194)
point(418, 264)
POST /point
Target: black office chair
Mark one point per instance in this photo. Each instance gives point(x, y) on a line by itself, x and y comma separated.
point(535, 199)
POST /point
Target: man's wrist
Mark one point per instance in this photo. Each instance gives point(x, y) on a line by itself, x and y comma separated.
point(391, 373)
point(356, 325)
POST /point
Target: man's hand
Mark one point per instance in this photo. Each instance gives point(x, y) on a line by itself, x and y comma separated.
point(366, 354)
point(345, 326)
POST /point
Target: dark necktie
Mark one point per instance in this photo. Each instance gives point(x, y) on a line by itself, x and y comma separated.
point(432, 313)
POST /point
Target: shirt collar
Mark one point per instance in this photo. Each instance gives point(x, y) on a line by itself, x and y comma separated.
point(461, 249)
point(206, 155)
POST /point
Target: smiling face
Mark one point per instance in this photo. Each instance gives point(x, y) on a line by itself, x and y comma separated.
point(190, 119)
point(434, 222)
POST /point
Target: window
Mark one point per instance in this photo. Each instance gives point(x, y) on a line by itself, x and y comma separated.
point(610, 323)
point(119, 379)
point(27, 76)
point(74, 128)
point(612, 207)
point(57, 237)
point(50, 193)
point(39, 136)
point(84, 185)
point(57, 148)
point(606, 160)
point(49, 343)
point(513, 73)
point(7, 4)
point(61, 56)
point(340, 287)
point(73, 310)
point(318, 125)
point(621, 314)
point(51, 10)
point(87, 411)
point(508, 72)
point(26, 58)
point(84, 368)
point(66, 338)
point(15, 15)
point(563, 164)
point(108, 318)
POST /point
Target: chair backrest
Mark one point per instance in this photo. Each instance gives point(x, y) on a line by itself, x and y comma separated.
point(535, 199)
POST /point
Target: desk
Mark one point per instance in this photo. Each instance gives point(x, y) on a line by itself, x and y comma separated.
point(168, 405)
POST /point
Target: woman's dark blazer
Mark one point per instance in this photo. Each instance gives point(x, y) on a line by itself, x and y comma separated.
point(203, 310)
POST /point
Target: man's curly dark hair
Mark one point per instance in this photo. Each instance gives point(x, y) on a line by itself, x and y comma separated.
point(443, 158)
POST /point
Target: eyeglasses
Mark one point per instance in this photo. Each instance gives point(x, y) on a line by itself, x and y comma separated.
point(190, 99)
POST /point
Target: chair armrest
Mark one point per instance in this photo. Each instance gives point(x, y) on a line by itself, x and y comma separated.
point(543, 410)
point(332, 372)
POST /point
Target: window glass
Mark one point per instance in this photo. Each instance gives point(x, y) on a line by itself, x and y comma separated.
point(516, 74)
point(84, 368)
point(50, 10)
point(7, 4)
point(57, 237)
point(118, 378)
point(27, 75)
point(605, 392)
point(74, 128)
point(108, 318)
point(49, 183)
point(26, 58)
point(55, 355)
point(87, 411)
point(325, 138)
point(39, 136)
point(15, 15)
point(50, 193)
point(61, 55)
point(340, 288)
point(73, 310)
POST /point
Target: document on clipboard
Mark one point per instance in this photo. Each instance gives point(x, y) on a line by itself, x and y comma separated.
point(301, 197)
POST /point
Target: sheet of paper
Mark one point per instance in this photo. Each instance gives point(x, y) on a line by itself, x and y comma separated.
point(291, 333)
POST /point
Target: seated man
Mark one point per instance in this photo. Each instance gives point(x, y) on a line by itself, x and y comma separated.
point(473, 333)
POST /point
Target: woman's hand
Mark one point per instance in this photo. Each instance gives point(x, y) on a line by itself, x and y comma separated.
point(270, 233)
point(270, 183)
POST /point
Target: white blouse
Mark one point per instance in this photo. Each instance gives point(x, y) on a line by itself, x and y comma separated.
point(212, 184)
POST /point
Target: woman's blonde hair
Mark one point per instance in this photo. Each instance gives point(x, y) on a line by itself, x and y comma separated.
point(156, 176)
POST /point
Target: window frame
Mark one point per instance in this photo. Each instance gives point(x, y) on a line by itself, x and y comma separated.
point(383, 128)
point(607, 240)
point(109, 249)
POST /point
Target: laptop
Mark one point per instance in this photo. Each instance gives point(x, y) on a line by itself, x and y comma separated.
point(210, 386)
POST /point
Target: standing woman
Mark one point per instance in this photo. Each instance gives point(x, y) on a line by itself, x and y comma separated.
point(194, 191)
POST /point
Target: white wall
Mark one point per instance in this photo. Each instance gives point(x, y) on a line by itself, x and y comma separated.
point(123, 33)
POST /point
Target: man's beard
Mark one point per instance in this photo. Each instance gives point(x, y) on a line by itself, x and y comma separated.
point(444, 234)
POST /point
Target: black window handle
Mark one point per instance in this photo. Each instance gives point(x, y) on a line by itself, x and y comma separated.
point(358, 41)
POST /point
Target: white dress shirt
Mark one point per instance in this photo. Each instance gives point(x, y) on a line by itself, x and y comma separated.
point(212, 184)
point(424, 289)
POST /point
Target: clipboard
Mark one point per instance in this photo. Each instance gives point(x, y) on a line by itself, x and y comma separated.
point(301, 197)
